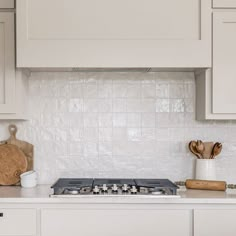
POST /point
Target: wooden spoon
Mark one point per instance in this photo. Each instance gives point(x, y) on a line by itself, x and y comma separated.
point(216, 150)
point(200, 147)
point(192, 148)
point(208, 150)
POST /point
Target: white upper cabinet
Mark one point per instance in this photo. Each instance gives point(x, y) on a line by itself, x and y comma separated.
point(224, 62)
point(112, 33)
point(13, 84)
point(7, 63)
point(6, 3)
point(216, 97)
point(224, 3)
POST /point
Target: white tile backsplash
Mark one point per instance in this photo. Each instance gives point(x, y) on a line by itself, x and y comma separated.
point(119, 125)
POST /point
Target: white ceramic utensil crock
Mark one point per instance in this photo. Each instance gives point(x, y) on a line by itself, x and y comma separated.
point(205, 169)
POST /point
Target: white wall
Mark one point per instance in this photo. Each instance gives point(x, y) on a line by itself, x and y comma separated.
point(119, 125)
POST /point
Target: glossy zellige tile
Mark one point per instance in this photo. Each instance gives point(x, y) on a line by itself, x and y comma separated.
point(108, 124)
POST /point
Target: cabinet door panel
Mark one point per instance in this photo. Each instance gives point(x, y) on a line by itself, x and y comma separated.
point(18, 222)
point(214, 222)
point(7, 63)
point(134, 33)
point(112, 19)
point(224, 3)
point(115, 222)
point(6, 3)
point(224, 58)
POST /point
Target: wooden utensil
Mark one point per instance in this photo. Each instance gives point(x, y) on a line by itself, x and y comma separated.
point(192, 148)
point(200, 147)
point(26, 148)
point(208, 150)
point(205, 150)
point(216, 150)
point(13, 163)
point(206, 185)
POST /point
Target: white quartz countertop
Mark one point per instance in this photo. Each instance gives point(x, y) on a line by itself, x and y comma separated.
point(40, 194)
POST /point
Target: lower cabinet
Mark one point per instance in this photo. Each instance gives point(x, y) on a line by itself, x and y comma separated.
point(214, 223)
point(118, 220)
point(115, 222)
point(17, 222)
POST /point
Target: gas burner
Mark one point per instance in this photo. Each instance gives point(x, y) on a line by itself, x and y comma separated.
point(72, 191)
point(114, 187)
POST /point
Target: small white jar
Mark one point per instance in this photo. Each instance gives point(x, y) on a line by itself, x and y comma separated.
point(205, 169)
point(29, 179)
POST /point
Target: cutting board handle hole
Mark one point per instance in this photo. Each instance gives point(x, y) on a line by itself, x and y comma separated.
point(12, 129)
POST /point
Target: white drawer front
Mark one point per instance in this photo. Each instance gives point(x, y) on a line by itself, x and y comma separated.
point(224, 3)
point(214, 223)
point(17, 222)
point(115, 222)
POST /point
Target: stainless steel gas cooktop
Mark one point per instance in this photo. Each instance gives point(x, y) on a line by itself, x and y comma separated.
point(114, 187)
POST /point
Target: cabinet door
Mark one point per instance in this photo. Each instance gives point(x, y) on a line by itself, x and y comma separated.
point(224, 62)
point(114, 33)
point(7, 63)
point(17, 222)
point(115, 222)
point(224, 3)
point(214, 222)
point(6, 3)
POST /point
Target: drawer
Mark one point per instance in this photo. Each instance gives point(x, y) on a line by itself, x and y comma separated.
point(115, 222)
point(214, 222)
point(17, 222)
point(224, 3)
point(6, 3)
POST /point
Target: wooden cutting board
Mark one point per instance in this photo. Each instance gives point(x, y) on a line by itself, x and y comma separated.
point(13, 163)
point(25, 147)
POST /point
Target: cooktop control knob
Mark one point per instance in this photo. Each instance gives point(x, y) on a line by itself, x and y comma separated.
point(104, 188)
point(114, 188)
point(96, 190)
point(125, 188)
point(133, 190)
